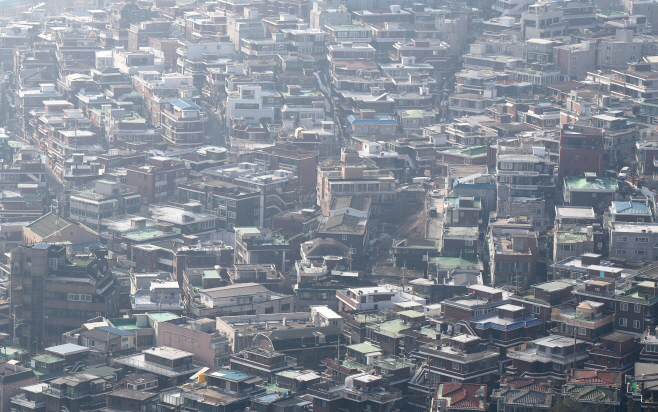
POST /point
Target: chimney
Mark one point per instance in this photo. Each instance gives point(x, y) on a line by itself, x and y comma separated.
point(590, 259)
point(190, 239)
point(163, 227)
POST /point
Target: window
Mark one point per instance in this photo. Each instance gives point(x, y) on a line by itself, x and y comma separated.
point(469, 243)
point(582, 331)
point(622, 238)
point(642, 239)
point(622, 321)
point(636, 324)
point(641, 252)
point(455, 366)
point(536, 309)
point(344, 237)
point(637, 308)
point(621, 251)
point(623, 306)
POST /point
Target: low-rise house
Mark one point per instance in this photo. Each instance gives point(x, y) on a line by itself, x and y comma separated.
point(548, 357)
point(617, 351)
point(242, 298)
point(587, 320)
point(171, 366)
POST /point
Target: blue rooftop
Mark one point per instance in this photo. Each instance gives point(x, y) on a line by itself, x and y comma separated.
point(184, 104)
point(114, 331)
point(230, 374)
point(630, 208)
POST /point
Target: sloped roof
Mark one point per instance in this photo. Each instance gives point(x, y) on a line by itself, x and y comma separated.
point(525, 397)
point(344, 223)
point(521, 383)
point(592, 393)
point(629, 208)
point(317, 248)
point(353, 202)
point(594, 377)
point(48, 224)
point(463, 395)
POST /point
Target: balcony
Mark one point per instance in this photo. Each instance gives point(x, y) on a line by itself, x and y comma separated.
point(22, 400)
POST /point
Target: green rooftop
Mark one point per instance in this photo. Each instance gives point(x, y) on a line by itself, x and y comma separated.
point(45, 358)
point(581, 183)
point(450, 263)
point(210, 274)
point(363, 348)
point(552, 286)
point(272, 388)
point(392, 328)
point(411, 314)
point(570, 237)
point(162, 316)
point(471, 151)
point(634, 296)
point(353, 365)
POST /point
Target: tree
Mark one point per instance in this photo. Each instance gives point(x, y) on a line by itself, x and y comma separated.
point(567, 404)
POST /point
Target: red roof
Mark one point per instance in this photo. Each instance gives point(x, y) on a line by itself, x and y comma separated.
point(594, 377)
point(463, 395)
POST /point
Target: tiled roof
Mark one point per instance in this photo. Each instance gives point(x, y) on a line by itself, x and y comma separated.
point(343, 224)
point(594, 377)
point(592, 393)
point(463, 395)
point(540, 385)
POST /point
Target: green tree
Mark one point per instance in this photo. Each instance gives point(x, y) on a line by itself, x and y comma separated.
point(567, 404)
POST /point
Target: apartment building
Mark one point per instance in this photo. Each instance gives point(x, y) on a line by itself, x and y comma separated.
point(513, 257)
point(183, 124)
point(156, 181)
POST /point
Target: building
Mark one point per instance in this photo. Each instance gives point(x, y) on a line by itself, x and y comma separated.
point(513, 257)
point(240, 299)
point(172, 366)
point(183, 124)
point(156, 181)
point(260, 245)
point(62, 292)
point(549, 357)
point(372, 298)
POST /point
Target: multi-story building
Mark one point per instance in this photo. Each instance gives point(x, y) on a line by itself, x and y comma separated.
point(513, 257)
point(108, 199)
point(370, 394)
point(171, 366)
point(632, 241)
point(575, 60)
point(588, 321)
point(183, 124)
point(590, 190)
point(581, 151)
point(615, 352)
point(542, 20)
point(260, 245)
point(464, 359)
point(549, 357)
point(543, 298)
point(81, 391)
point(157, 180)
point(65, 294)
point(353, 176)
point(241, 299)
point(372, 298)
